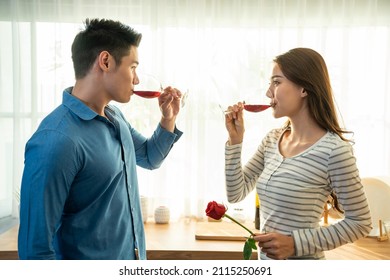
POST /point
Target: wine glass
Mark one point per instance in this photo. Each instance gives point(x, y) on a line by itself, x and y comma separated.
point(150, 87)
point(254, 102)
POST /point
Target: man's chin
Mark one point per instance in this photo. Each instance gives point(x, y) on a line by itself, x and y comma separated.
point(124, 99)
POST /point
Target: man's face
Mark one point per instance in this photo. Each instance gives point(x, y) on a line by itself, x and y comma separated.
point(122, 78)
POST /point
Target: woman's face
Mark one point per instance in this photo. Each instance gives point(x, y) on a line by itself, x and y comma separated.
point(287, 98)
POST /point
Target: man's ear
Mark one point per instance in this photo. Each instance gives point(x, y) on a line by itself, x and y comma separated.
point(104, 60)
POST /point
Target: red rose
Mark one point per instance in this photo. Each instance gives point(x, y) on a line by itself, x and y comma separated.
point(215, 210)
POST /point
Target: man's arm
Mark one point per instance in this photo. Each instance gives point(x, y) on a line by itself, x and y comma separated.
point(47, 176)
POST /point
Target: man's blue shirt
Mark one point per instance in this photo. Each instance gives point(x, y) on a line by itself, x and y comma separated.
point(79, 193)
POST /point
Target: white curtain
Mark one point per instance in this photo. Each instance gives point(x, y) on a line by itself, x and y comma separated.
point(221, 51)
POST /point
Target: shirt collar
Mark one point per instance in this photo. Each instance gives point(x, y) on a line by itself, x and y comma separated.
point(77, 106)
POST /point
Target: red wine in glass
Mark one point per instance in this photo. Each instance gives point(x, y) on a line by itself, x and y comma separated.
point(148, 86)
point(147, 93)
point(255, 108)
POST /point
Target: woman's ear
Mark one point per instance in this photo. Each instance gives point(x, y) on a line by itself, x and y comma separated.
point(303, 92)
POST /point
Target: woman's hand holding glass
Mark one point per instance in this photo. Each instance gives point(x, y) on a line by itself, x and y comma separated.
point(234, 122)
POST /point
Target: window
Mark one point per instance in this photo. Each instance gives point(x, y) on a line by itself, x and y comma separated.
point(205, 47)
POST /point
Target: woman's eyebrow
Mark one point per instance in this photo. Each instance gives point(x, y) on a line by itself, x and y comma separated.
point(276, 76)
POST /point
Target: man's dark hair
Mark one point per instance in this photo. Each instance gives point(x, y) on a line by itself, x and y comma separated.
point(101, 35)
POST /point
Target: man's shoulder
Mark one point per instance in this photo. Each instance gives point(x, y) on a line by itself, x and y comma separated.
point(55, 118)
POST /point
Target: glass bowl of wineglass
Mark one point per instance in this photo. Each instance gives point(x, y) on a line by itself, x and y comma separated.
point(254, 102)
point(148, 86)
point(257, 101)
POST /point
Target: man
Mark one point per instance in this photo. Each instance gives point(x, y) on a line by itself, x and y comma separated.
point(79, 193)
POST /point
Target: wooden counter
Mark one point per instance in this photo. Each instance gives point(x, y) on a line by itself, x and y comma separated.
point(8, 244)
point(177, 241)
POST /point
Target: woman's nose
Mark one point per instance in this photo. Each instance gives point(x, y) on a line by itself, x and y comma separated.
point(269, 93)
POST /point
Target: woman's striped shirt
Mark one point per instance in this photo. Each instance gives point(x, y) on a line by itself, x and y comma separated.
point(293, 191)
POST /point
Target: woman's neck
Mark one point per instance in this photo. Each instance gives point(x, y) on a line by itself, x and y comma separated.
point(305, 130)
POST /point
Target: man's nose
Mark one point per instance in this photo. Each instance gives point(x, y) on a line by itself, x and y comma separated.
point(136, 80)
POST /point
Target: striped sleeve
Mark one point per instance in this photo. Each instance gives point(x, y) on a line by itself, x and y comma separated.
point(240, 181)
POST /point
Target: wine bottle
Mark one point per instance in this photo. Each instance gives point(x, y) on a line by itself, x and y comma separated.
point(257, 213)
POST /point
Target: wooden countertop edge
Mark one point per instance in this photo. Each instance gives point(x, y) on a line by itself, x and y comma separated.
point(166, 255)
point(9, 255)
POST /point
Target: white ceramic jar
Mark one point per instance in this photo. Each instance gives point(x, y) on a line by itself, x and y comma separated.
point(162, 215)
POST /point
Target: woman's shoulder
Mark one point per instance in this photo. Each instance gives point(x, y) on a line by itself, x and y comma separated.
point(333, 145)
point(275, 133)
point(335, 140)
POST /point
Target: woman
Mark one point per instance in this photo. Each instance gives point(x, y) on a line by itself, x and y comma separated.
point(296, 168)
